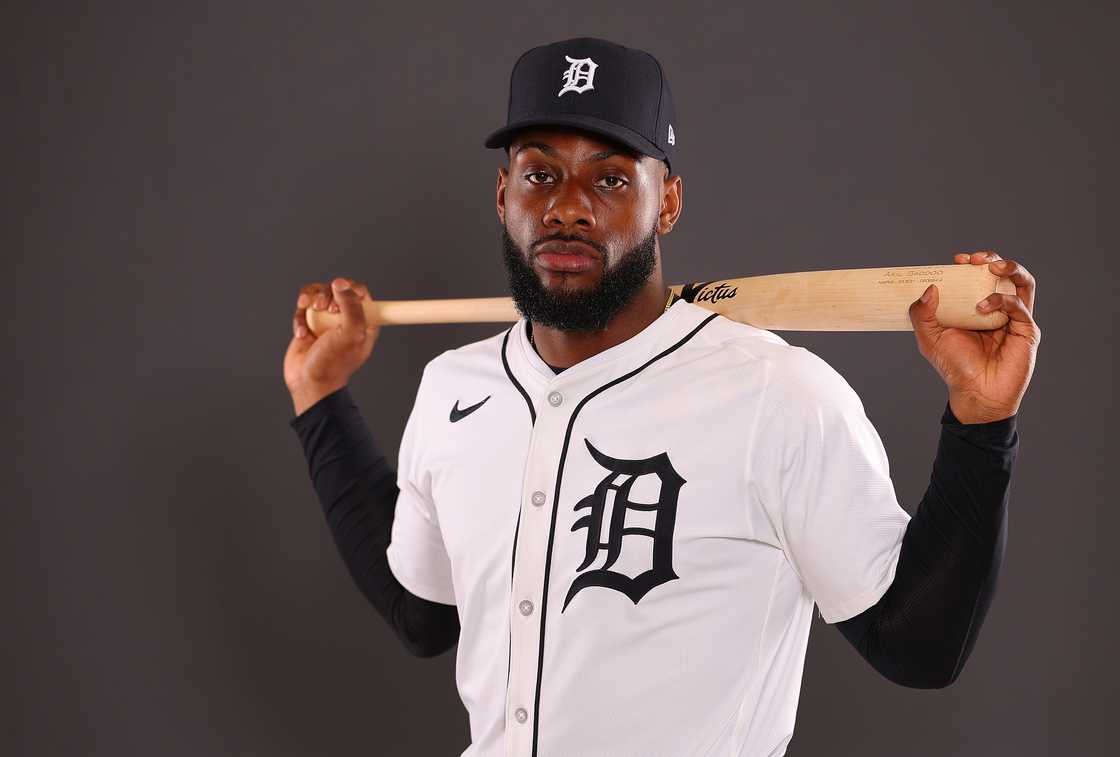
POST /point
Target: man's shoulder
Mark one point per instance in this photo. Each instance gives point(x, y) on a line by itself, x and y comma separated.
point(753, 343)
point(460, 373)
point(481, 354)
point(789, 368)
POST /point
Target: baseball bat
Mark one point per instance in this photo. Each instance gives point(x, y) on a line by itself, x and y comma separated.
point(851, 299)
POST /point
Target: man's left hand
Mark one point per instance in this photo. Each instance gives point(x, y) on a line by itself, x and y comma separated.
point(987, 372)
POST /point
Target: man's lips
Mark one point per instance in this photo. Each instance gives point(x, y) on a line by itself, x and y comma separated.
point(559, 247)
point(566, 257)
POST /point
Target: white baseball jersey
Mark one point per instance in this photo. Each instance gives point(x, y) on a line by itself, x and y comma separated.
point(635, 545)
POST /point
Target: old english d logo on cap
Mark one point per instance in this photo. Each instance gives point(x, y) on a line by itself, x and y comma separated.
point(580, 75)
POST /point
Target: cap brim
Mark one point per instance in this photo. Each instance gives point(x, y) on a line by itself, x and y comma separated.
point(632, 139)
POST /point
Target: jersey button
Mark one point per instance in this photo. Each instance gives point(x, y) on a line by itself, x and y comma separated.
point(525, 606)
point(538, 498)
point(555, 398)
point(521, 714)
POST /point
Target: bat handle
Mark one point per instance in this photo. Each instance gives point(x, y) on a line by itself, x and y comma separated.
point(399, 312)
point(322, 321)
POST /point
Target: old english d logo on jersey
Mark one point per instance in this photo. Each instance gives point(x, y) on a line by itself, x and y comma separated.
point(620, 478)
point(580, 76)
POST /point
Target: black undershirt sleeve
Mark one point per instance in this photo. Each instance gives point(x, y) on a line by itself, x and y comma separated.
point(357, 489)
point(922, 630)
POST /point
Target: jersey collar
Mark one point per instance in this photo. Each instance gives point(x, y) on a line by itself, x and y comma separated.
point(659, 334)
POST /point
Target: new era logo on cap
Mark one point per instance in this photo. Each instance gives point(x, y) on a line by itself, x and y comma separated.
point(605, 88)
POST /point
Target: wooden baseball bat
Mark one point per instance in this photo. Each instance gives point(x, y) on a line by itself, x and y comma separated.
point(852, 299)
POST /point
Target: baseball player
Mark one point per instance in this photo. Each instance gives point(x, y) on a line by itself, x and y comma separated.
point(623, 509)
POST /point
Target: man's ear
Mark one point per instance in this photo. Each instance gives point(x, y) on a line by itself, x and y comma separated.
point(672, 202)
point(503, 174)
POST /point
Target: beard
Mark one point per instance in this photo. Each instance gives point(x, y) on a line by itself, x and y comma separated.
point(584, 309)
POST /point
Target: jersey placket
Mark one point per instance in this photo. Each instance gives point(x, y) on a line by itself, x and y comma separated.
point(555, 401)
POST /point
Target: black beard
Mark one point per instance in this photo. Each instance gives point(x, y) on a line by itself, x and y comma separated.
point(581, 310)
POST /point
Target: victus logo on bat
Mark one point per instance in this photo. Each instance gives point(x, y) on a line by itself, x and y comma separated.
point(703, 291)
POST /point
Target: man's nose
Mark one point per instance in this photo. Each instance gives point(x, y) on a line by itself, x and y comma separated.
point(570, 208)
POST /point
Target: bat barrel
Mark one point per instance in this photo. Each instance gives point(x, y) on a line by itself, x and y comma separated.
point(854, 299)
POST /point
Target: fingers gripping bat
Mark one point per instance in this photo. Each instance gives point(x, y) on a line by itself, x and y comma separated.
point(853, 299)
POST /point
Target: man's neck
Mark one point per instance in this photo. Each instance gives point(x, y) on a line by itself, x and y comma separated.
point(563, 349)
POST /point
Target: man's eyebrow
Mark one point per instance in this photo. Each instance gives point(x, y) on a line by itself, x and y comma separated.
point(609, 153)
point(548, 150)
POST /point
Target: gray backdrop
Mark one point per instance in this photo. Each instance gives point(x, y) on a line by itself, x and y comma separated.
point(173, 174)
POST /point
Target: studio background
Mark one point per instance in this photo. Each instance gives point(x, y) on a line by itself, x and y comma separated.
point(173, 173)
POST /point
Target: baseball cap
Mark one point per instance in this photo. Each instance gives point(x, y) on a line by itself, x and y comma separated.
point(595, 85)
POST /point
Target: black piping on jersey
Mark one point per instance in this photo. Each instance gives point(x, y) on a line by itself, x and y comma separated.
point(525, 394)
point(517, 528)
point(555, 508)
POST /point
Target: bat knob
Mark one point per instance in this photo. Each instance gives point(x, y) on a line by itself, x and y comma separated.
point(322, 321)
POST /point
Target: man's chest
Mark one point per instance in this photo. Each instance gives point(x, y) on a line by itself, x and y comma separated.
point(622, 488)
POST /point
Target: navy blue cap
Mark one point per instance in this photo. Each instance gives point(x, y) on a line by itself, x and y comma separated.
point(595, 85)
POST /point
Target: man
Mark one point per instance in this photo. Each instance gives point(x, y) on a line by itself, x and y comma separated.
point(624, 512)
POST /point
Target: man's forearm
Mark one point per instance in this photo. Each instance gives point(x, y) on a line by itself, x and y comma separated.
point(304, 397)
point(922, 630)
point(358, 492)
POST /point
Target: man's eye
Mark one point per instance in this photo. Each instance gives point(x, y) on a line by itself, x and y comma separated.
point(537, 173)
point(614, 182)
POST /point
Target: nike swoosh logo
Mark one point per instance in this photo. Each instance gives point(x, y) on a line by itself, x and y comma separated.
point(458, 415)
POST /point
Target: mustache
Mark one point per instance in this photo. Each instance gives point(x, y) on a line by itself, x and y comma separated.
point(569, 238)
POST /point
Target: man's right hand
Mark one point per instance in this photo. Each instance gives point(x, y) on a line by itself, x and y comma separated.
point(316, 366)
